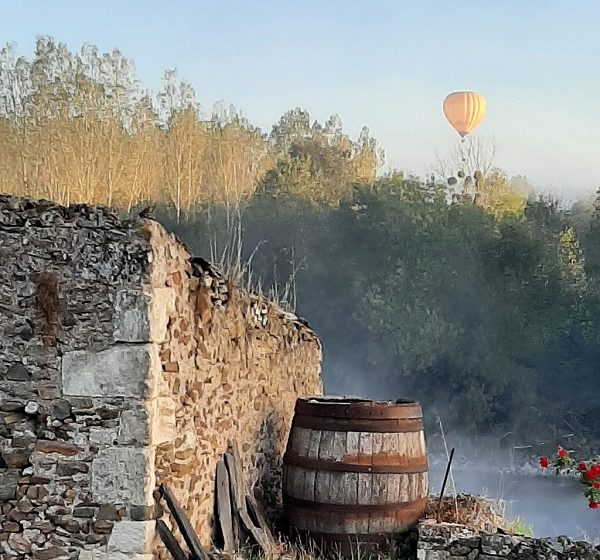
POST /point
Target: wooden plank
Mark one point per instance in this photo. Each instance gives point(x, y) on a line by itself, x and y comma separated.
point(322, 481)
point(315, 442)
point(170, 541)
point(338, 449)
point(326, 446)
point(302, 441)
point(263, 538)
point(298, 476)
point(352, 439)
point(378, 496)
point(257, 512)
point(350, 498)
point(189, 535)
point(230, 542)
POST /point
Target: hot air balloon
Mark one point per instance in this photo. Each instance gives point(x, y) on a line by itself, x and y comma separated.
point(464, 111)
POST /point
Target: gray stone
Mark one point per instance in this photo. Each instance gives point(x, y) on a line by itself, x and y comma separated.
point(8, 484)
point(133, 427)
point(144, 513)
point(17, 372)
point(120, 371)
point(130, 319)
point(103, 436)
point(121, 475)
point(86, 512)
point(133, 537)
point(61, 409)
point(32, 407)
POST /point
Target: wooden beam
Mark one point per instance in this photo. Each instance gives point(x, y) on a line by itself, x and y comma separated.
point(170, 541)
point(224, 509)
point(239, 495)
point(187, 532)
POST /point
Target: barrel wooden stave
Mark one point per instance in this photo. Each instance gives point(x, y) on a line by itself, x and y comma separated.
point(337, 485)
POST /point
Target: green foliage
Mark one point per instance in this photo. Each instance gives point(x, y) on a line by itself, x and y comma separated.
point(490, 318)
point(518, 527)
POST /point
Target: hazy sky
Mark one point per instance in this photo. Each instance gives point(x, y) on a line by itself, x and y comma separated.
point(384, 64)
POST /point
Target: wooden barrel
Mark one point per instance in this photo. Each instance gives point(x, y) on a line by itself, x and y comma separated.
point(355, 471)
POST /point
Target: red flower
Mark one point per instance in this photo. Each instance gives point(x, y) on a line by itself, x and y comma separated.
point(594, 505)
point(589, 475)
point(544, 462)
point(562, 453)
point(596, 485)
point(595, 470)
point(582, 466)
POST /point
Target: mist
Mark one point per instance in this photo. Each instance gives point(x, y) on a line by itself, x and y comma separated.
point(489, 318)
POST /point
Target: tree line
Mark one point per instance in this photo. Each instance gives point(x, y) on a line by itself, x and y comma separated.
point(460, 289)
point(77, 127)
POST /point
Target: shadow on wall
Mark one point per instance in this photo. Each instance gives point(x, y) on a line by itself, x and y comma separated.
point(268, 463)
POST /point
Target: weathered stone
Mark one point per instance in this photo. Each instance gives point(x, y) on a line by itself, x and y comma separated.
point(130, 318)
point(16, 458)
point(61, 409)
point(103, 436)
point(84, 512)
point(23, 441)
point(103, 526)
point(11, 527)
point(48, 391)
point(19, 543)
point(17, 372)
point(133, 427)
point(70, 468)
point(61, 448)
point(12, 406)
point(134, 537)
point(52, 553)
point(111, 513)
point(93, 538)
point(145, 513)
point(8, 484)
point(16, 515)
point(32, 407)
point(121, 371)
point(122, 475)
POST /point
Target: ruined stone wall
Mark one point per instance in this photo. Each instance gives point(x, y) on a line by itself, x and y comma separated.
point(121, 366)
point(454, 542)
point(63, 399)
point(234, 365)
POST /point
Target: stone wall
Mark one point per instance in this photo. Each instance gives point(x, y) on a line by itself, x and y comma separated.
point(455, 542)
point(123, 365)
point(233, 366)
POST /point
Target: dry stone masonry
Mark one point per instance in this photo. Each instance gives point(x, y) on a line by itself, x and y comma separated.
point(124, 364)
point(448, 541)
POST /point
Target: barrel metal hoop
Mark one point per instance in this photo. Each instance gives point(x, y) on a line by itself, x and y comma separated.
point(373, 425)
point(366, 410)
point(342, 509)
point(337, 466)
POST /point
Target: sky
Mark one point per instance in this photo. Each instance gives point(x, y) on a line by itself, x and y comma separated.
point(386, 64)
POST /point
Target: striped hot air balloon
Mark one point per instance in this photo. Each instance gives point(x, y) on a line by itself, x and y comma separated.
point(464, 111)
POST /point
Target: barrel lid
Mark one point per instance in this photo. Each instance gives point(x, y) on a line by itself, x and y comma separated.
point(333, 406)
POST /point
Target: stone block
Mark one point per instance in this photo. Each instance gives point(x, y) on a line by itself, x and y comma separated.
point(162, 420)
point(162, 308)
point(131, 537)
point(8, 484)
point(123, 475)
point(103, 436)
point(131, 316)
point(120, 371)
point(133, 427)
